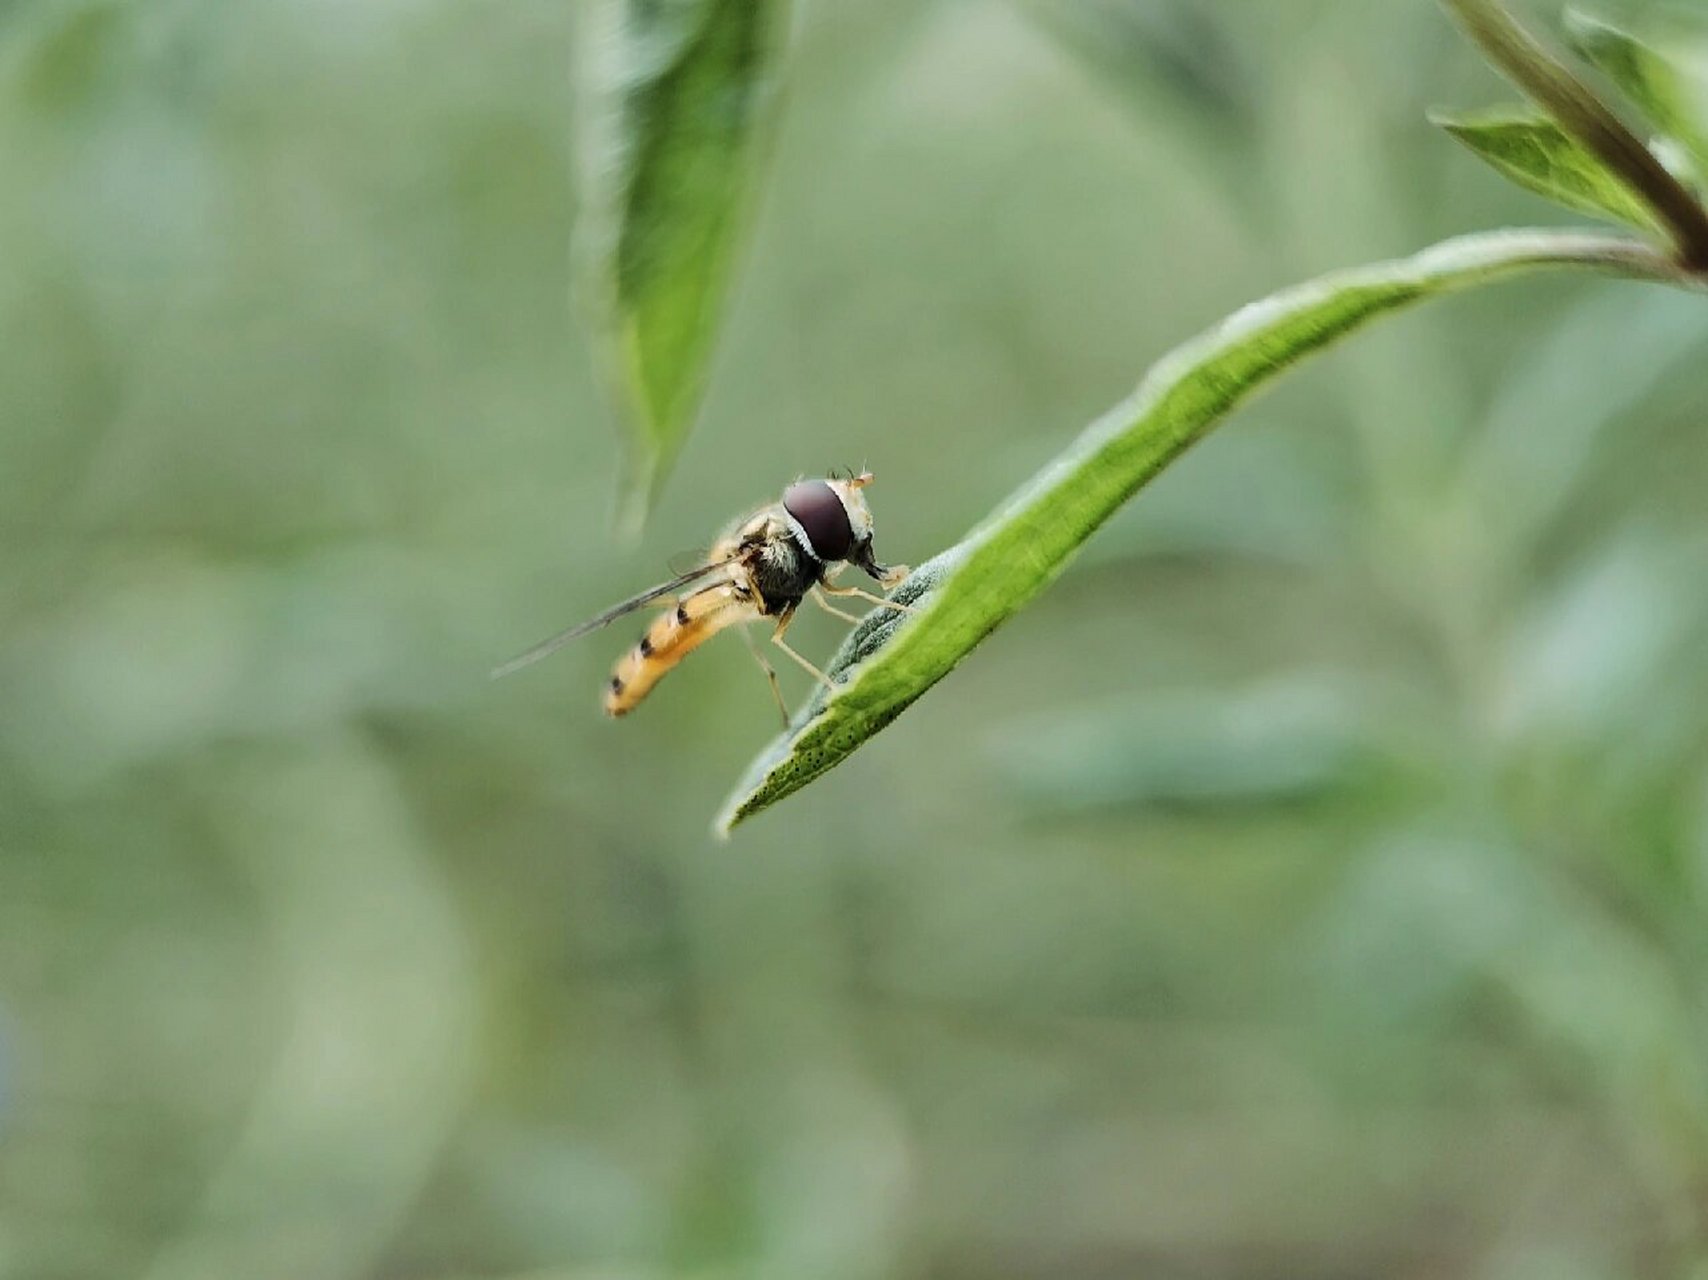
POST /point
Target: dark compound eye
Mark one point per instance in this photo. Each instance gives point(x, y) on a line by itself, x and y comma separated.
point(820, 513)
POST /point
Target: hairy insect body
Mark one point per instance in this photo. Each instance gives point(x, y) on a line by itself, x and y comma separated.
point(781, 571)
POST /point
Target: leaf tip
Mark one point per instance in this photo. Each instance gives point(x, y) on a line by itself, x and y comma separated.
point(1602, 44)
point(744, 802)
point(1584, 28)
point(642, 476)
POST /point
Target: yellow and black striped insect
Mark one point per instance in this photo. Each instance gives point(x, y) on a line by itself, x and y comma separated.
point(764, 566)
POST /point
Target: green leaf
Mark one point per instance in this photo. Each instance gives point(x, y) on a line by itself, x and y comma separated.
point(681, 91)
point(1673, 100)
point(1538, 155)
point(964, 594)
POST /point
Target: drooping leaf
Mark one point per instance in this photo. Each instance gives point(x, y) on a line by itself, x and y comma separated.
point(1539, 156)
point(1674, 100)
point(681, 92)
point(964, 594)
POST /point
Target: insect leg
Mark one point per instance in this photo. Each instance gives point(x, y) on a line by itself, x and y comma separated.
point(783, 620)
point(770, 674)
point(832, 610)
point(897, 605)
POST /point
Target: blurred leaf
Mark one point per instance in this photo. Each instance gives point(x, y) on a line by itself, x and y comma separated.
point(1440, 925)
point(74, 61)
point(1592, 660)
point(1429, 918)
point(1180, 69)
point(1539, 156)
point(1606, 1004)
point(1257, 496)
point(1135, 44)
point(1554, 408)
point(372, 1070)
point(682, 90)
point(1286, 741)
point(1658, 85)
point(1416, 922)
point(159, 653)
point(965, 593)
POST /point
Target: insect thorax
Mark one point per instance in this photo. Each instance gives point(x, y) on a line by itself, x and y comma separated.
point(782, 572)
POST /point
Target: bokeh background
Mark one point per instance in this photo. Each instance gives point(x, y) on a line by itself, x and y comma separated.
point(1311, 885)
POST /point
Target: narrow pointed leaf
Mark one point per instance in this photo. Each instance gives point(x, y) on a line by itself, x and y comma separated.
point(681, 93)
point(1673, 99)
point(964, 594)
point(1539, 156)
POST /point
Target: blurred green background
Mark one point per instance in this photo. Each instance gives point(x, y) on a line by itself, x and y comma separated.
point(1311, 885)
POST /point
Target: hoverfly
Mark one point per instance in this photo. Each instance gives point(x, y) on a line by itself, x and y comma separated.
point(764, 566)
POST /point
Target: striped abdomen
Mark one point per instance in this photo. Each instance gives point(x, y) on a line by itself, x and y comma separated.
point(673, 635)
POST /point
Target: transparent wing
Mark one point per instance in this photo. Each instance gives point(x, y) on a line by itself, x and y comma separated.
point(548, 647)
point(685, 561)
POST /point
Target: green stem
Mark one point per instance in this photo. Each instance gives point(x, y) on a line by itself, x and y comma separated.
point(1576, 108)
